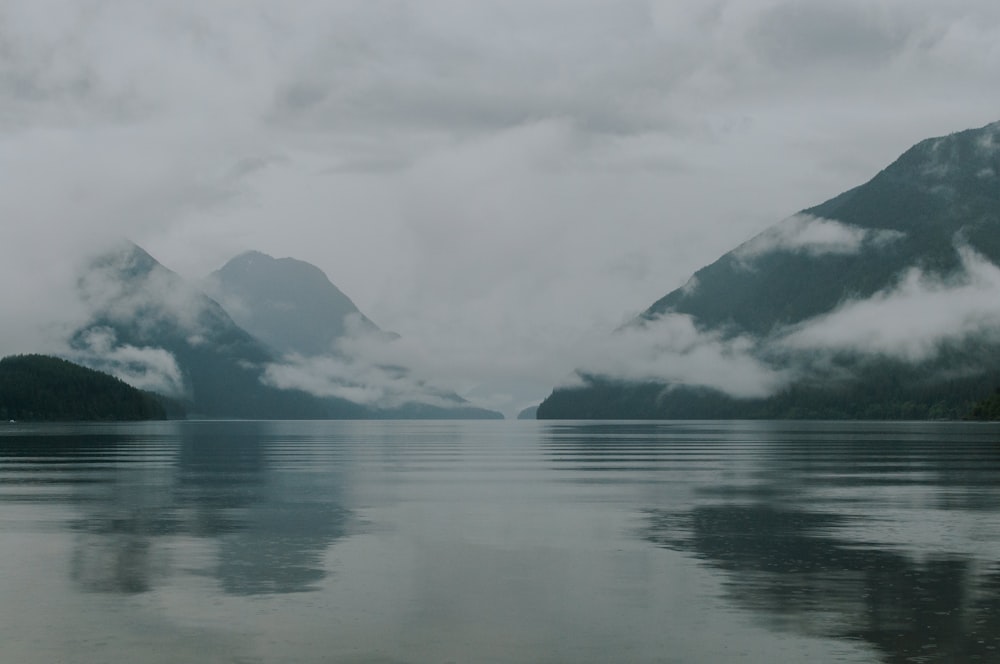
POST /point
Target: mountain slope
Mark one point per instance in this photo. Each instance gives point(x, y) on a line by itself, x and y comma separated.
point(908, 215)
point(839, 302)
point(289, 304)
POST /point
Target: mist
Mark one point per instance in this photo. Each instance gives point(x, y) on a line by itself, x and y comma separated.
point(913, 320)
point(814, 236)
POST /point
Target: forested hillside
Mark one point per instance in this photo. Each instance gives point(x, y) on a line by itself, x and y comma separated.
point(43, 388)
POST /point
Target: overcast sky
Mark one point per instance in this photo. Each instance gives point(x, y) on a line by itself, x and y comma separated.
point(496, 181)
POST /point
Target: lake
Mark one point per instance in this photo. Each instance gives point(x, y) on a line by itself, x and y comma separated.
point(394, 542)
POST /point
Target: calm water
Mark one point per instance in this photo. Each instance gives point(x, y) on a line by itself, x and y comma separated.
point(391, 542)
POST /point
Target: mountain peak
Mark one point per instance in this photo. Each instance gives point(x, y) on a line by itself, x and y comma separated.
point(126, 259)
point(250, 257)
point(952, 165)
point(288, 303)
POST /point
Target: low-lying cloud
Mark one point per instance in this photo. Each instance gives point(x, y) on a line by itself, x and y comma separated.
point(814, 236)
point(912, 320)
point(366, 369)
point(146, 368)
point(671, 349)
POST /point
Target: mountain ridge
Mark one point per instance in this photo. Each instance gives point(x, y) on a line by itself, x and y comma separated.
point(153, 329)
point(927, 223)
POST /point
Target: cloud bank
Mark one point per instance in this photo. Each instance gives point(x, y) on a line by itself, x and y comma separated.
point(670, 349)
point(366, 367)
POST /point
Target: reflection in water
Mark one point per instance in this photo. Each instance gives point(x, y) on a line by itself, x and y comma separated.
point(114, 549)
point(798, 540)
point(145, 500)
point(272, 527)
point(500, 542)
point(789, 568)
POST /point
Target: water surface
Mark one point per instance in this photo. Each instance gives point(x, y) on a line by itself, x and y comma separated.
point(392, 542)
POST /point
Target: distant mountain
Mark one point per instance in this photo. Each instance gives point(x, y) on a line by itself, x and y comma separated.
point(803, 300)
point(294, 307)
point(288, 304)
point(44, 388)
point(156, 331)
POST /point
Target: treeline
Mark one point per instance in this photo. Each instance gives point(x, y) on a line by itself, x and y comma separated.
point(987, 409)
point(44, 388)
point(880, 391)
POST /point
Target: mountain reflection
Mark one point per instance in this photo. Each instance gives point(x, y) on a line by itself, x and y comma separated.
point(789, 568)
point(213, 486)
point(795, 533)
point(857, 531)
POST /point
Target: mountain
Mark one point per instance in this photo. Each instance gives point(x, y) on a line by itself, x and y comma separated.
point(529, 413)
point(875, 303)
point(156, 331)
point(39, 387)
point(153, 329)
point(327, 344)
point(288, 304)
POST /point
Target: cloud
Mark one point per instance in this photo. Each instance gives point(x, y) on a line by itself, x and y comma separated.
point(432, 66)
point(322, 377)
point(806, 35)
point(382, 371)
point(363, 370)
point(71, 195)
point(126, 285)
point(146, 368)
point(912, 320)
point(814, 236)
point(670, 349)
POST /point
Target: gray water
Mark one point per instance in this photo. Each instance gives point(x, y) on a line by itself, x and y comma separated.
point(391, 542)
